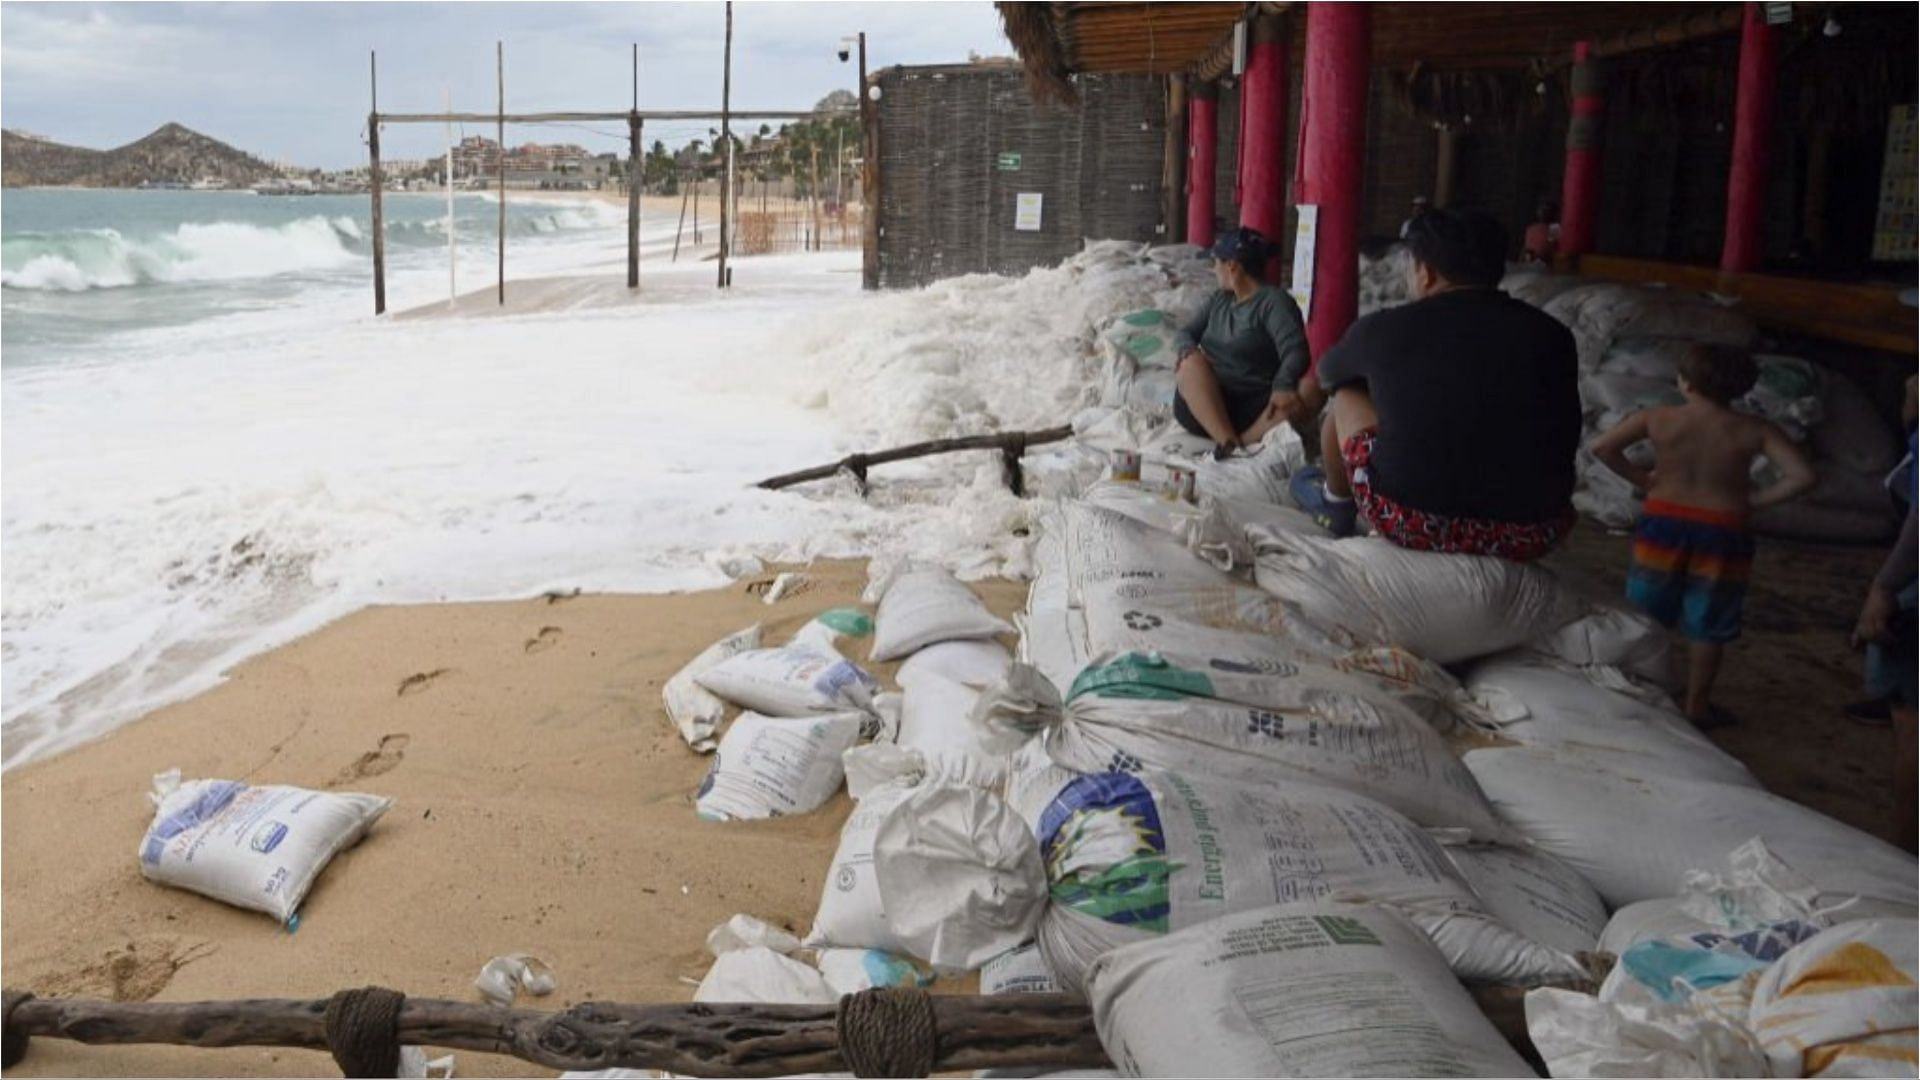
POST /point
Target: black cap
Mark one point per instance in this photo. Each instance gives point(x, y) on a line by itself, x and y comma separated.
point(1241, 243)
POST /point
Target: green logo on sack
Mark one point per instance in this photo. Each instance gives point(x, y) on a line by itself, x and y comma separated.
point(1147, 317)
point(1345, 930)
point(1141, 346)
point(849, 621)
point(1142, 676)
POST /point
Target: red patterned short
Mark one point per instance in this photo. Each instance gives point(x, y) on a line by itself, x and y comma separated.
point(1421, 531)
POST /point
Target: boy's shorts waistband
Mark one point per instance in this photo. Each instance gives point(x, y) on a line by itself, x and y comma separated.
point(1726, 519)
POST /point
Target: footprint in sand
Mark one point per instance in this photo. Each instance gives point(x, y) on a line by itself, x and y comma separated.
point(420, 681)
point(378, 761)
point(135, 973)
point(547, 638)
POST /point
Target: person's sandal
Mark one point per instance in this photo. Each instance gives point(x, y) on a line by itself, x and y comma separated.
point(1309, 494)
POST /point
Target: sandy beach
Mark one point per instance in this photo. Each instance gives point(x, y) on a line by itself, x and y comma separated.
point(543, 804)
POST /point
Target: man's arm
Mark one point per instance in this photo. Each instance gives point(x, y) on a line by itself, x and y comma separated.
point(1796, 472)
point(1611, 450)
point(1896, 573)
point(1187, 338)
point(1289, 335)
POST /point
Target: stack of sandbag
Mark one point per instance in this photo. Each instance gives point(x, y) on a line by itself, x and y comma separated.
point(1384, 281)
point(1751, 971)
point(1137, 351)
point(1133, 855)
point(1630, 340)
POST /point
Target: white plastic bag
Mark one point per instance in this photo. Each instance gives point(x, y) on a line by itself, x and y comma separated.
point(1445, 608)
point(1579, 1035)
point(978, 664)
point(1130, 856)
point(252, 847)
point(1212, 718)
point(793, 680)
point(1297, 990)
point(694, 710)
point(773, 766)
point(1636, 837)
point(959, 874)
point(921, 606)
point(758, 974)
point(937, 723)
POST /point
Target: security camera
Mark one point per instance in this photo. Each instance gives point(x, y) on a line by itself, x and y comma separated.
point(844, 53)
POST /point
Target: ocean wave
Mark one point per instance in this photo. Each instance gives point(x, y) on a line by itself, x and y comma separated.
point(82, 259)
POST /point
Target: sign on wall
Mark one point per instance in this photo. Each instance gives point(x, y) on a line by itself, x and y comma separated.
point(1304, 235)
point(1026, 211)
point(1893, 229)
point(1009, 161)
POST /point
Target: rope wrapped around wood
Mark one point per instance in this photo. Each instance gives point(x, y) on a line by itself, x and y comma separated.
point(13, 1045)
point(887, 1031)
point(363, 1031)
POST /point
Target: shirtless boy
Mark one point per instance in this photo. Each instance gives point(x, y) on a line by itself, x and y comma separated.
point(1691, 549)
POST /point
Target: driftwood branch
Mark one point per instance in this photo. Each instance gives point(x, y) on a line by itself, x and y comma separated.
point(692, 1039)
point(1011, 444)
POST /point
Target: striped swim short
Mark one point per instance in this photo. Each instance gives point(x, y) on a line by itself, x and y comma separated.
point(1690, 569)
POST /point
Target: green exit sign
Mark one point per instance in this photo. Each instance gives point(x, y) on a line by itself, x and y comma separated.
point(1009, 161)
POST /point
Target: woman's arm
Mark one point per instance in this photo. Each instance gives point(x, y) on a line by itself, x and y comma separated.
point(1289, 335)
point(1187, 338)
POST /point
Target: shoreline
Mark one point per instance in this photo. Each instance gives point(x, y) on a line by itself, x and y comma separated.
point(543, 803)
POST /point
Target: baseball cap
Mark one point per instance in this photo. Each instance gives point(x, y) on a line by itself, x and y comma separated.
point(1240, 243)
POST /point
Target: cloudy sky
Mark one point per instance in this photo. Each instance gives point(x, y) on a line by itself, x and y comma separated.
point(288, 81)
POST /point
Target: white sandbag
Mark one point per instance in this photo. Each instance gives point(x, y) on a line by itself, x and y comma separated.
point(1133, 856)
point(774, 766)
point(758, 974)
point(1843, 1003)
point(746, 931)
point(959, 874)
point(1534, 894)
point(1853, 433)
point(1445, 608)
point(1260, 476)
point(1612, 635)
point(694, 709)
point(1019, 970)
point(1579, 1035)
point(793, 680)
point(850, 914)
point(1299, 990)
point(1550, 706)
point(1283, 721)
point(252, 847)
point(849, 971)
point(921, 606)
point(1635, 837)
point(970, 663)
point(824, 631)
point(1144, 337)
point(938, 724)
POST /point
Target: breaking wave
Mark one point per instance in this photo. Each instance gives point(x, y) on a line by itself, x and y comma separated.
point(82, 259)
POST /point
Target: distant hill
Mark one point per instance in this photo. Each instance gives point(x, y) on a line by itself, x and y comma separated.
point(172, 154)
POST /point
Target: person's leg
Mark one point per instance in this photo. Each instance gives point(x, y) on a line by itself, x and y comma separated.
point(1703, 666)
point(1200, 389)
point(1349, 412)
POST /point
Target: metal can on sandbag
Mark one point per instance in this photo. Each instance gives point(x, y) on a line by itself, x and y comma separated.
point(1179, 486)
point(1126, 466)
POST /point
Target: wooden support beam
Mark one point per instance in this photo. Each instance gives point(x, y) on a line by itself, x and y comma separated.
point(726, 139)
point(583, 117)
point(1173, 177)
point(633, 201)
point(858, 464)
point(869, 179)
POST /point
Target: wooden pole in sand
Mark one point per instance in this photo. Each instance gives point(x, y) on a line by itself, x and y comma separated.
point(453, 257)
point(681, 227)
point(726, 136)
point(373, 176)
point(500, 168)
point(633, 179)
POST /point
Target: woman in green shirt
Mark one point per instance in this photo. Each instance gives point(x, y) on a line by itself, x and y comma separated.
point(1242, 356)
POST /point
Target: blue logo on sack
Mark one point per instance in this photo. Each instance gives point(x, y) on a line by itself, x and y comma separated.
point(268, 836)
point(212, 798)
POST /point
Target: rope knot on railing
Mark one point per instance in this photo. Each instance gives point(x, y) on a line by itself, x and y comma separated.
point(888, 1031)
point(363, 1031)
point(13, 1044)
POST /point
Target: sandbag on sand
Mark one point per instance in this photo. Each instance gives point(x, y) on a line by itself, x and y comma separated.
point(800, 679)
point(773, 766)
point(969, 663)
point(921, 606)
point(695, 711)
point(1445, 608)
point(1292, 721)
point(1298, 990)
point(1130, 856)
point(252, 847)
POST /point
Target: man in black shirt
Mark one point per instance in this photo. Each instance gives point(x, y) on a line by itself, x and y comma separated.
point(1454, 420)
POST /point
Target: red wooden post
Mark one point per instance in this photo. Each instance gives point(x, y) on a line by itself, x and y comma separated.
point(1263, 95)
point(1333, 121)
point(1203, 159)
point(1752, 131)
point(1580, 186)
